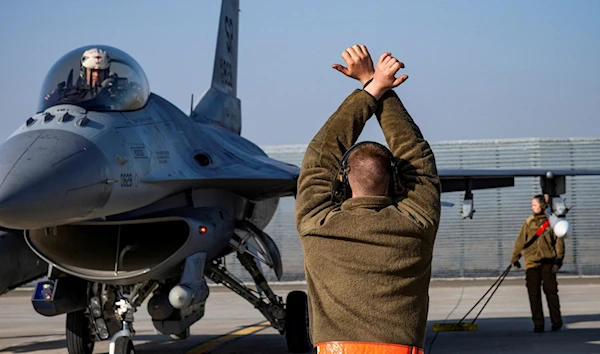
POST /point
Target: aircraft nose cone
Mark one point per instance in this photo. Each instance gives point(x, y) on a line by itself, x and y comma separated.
point(50, 177)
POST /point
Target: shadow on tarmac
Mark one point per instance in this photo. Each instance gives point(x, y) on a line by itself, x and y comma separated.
point(580, 334)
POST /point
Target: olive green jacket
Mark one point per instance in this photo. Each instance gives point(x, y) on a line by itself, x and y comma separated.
point(546, 247)
point(368, 261)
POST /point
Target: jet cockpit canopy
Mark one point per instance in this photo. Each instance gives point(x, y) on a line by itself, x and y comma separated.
point(96, 78)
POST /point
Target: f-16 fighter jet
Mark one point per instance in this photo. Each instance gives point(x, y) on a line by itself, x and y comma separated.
point(125, 197)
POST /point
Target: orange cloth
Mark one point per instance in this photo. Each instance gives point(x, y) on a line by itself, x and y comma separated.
point(365, 348)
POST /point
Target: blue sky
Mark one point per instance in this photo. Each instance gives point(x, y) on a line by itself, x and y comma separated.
point(478, 69)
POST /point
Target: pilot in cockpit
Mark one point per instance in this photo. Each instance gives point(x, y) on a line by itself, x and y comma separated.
point(94, 69)
point(96, 84)
point(95, 78)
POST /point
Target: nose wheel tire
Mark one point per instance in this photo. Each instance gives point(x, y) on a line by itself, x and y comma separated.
point(80, 338)
point(124, 345)
point(296, 323)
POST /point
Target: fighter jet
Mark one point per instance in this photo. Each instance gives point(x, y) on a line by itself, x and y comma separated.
point(124, 197)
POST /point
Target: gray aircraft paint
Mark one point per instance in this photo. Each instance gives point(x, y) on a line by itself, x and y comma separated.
point(70, 166)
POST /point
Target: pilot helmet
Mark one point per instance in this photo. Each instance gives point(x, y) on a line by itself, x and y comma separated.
point(95, 67)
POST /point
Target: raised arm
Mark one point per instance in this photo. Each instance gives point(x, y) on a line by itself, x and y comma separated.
point(417, 169)
point(418, 176)
point(325, 151)
point(323, 156)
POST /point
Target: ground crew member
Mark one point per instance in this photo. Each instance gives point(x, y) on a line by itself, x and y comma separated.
point(544, 253)
point(368, 258)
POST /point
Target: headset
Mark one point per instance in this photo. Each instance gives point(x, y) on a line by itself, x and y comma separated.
point(340, 188)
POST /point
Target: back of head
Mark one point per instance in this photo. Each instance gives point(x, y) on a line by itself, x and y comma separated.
point(542, 200)
point(370, 170)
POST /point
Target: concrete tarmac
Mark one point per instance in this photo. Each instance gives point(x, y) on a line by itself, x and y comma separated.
point(233, 326)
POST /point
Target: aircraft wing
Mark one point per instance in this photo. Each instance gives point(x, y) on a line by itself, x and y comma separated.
point(457, 179)
point(260, 178)
point(251, 188)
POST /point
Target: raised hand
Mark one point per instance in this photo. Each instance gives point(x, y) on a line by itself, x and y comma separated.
point(384, 77)
point(360, 65)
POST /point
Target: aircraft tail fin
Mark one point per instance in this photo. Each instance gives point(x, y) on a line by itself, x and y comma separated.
point(219, 105)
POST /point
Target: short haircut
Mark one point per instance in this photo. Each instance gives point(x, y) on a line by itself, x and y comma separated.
point(371, 168)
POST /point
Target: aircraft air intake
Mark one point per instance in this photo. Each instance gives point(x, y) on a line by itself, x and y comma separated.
point(131, 252)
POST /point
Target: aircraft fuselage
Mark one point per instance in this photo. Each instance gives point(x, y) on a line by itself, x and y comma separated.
point(70, 175)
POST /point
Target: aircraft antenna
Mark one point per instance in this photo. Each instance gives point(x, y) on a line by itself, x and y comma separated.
point(192, 106)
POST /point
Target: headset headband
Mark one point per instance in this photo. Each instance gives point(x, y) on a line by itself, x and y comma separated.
point(340, 188)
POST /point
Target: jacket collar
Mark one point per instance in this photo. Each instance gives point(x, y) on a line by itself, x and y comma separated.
point(370, 202)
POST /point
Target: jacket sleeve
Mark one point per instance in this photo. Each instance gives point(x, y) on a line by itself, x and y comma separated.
point(519, 244)
point(560, 251)
point(420, 192)
point(323, 155)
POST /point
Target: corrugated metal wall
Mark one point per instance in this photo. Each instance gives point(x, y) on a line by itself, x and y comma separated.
point(482, 246)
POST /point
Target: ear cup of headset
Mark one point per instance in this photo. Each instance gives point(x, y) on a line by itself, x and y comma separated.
point(397, 188)
point(337, 190)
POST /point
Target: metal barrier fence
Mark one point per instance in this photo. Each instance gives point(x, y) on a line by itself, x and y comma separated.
point(482, 246)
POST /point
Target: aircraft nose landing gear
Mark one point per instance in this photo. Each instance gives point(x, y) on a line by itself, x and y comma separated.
point(121, 342)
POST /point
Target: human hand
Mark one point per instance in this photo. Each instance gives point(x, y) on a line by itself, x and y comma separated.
point(516, 264)
point(555, 269)
point(360, 65)
point(384, 77)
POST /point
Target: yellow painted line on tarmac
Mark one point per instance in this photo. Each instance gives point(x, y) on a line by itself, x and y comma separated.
point(212, 344)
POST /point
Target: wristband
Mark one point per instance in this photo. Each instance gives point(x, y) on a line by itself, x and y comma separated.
point(367, 83)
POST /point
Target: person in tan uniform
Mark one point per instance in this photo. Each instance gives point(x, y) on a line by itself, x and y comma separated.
point(368, 256)
point(544, 253)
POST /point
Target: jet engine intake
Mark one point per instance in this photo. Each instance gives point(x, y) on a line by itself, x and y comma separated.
point(127, 253)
